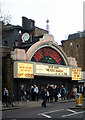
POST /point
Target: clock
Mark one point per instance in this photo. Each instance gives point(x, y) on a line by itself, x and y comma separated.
point(25, 37)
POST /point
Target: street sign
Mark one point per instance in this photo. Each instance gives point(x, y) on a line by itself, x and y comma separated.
point(77, 96)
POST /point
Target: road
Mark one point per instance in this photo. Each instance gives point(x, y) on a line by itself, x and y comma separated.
point(53, 110)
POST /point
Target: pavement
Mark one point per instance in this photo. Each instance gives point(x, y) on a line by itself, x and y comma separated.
point(35, 104)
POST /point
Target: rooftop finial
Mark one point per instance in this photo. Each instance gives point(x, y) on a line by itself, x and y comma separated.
point(47, 25)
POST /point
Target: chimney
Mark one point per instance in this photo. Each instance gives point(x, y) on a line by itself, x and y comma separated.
point(27, 23)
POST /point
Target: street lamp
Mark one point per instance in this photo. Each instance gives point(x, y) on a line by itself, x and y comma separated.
point(20, 40)
point(20, 32)
point(71, 44)
point(71, 52)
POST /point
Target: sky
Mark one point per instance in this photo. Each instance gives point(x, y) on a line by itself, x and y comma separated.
point(65, 16)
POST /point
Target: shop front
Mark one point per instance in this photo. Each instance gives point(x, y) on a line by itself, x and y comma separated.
point(44, 63)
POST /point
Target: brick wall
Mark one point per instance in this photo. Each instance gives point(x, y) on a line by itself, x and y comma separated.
point(7, 74)
point(75, 48)
point(6, 51)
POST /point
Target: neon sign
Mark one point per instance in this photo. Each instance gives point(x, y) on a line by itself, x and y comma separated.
point(48, 55)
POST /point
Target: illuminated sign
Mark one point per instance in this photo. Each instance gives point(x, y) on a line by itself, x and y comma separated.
point(76, 74)
point(52, 70)
point(54, 53)
point(24, 70)
point(48, 55)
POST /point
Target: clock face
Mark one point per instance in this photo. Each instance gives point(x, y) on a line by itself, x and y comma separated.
point(48, 55)
point(25, 37)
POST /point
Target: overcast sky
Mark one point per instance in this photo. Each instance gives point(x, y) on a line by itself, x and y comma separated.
point(65, 16)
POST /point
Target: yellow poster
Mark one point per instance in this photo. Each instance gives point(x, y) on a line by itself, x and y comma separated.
point(25, 70)
point(76, 74)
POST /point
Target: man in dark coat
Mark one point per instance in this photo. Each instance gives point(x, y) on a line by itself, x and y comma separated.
point(56, 93)
point(44, 96)
point(50, 90)
point(82, 89)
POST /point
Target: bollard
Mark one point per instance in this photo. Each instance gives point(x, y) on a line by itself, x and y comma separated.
point(78, 100)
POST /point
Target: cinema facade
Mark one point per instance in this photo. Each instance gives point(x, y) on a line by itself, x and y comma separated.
point(44, 63)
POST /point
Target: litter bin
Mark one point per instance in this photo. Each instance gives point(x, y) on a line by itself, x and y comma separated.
point(78, 99)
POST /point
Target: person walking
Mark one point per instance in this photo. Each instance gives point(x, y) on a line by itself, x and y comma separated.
point(75, 90)
point(47, 94)
point(23, 94)
point(44, 97)
point(28, 93)
point(56, 93)
point(62, 92)
point(50, 90)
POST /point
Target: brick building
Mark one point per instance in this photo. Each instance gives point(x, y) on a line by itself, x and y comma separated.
point(74, 46)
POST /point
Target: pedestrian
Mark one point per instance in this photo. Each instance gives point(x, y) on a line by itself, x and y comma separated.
point(23, 94)
point(62, 92)
point(28, 93)
point(50, 90)
point(56, 93)
point(47, 94)
point(72, 95)
point(36, 92)
point(82, 89)
point(32, 93)
point(75, 90)
point(6, 96)
point(44, 96)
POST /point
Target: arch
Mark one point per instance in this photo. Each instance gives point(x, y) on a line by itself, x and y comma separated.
point(46, 43)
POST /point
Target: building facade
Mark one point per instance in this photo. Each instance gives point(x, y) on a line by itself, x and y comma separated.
point(38, 60)
point(44, 63)
point(74, 46)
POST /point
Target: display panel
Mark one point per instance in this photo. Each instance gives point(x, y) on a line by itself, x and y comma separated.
point(48, 55)
point(51, 70)
point(76, 74)
point(23, 70)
